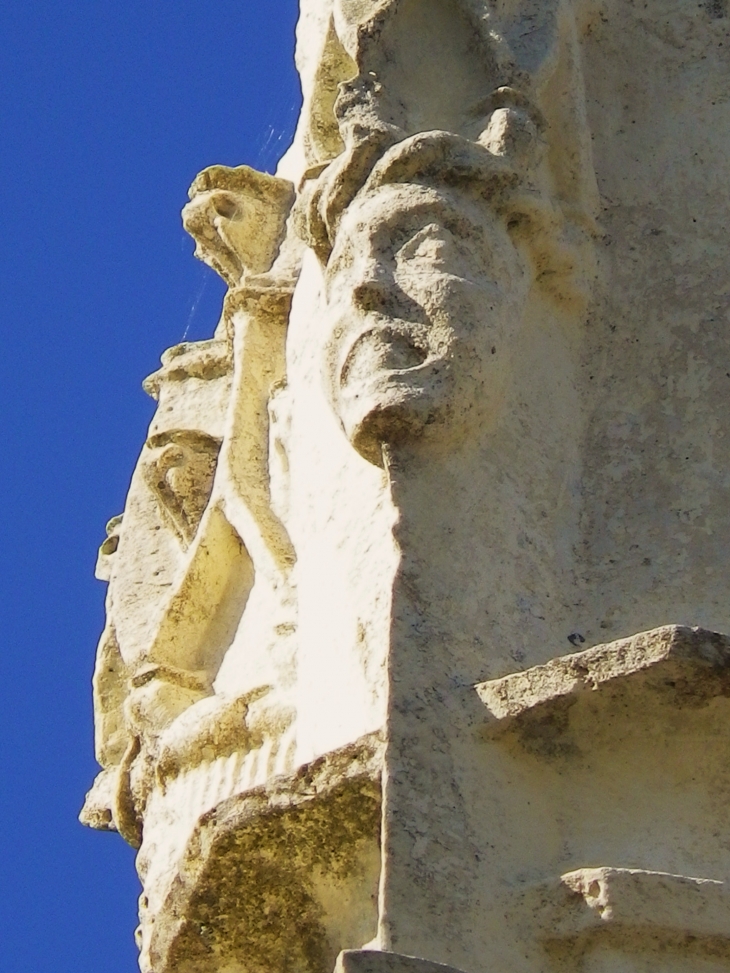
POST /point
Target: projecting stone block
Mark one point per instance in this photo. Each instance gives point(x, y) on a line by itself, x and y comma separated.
point(673, 667)
point(630, 901)
point(281, 876)
point(383, 961)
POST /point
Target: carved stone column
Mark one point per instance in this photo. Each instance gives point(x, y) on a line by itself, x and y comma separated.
point(413, 660)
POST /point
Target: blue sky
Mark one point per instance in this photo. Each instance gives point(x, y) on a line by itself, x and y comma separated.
point(107, 112)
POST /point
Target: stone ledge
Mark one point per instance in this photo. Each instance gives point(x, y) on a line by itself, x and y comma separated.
point(690, 666)
point(596, 900)
point(382, 961)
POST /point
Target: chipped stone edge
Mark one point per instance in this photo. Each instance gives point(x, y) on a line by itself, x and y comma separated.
point(591, 900)
point(384, 961)
point(695, 653)
point(356, 765)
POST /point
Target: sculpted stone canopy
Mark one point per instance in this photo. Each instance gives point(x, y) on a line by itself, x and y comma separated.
point(464, 413)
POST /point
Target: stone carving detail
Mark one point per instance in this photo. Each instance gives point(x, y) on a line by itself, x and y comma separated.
point(463, 412)
point(181, 475)
point(237, 217)
point(180, 463)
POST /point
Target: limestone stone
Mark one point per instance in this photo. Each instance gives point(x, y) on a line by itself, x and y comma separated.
point(413, 660)
point(380, 961)
point(623, 902)
point(237, 218)
point(688, 665)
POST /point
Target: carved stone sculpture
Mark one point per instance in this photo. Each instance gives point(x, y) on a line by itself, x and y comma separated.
point(370, 696)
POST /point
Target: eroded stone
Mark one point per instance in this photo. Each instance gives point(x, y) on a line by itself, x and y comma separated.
point(464, 408)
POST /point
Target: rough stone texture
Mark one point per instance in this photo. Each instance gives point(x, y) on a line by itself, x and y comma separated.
point(266, 874)
point(622, 901)
point(380, 961)
point(687, 666)
point(464, 412)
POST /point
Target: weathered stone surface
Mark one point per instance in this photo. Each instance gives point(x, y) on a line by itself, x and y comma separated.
point(383, 961)
point(625, 901)
point(237, 218)
point(464, 411)
point(277, 877)
point(687, 666)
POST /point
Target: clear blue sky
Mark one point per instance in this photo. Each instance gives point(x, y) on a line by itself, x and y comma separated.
point(107, 112)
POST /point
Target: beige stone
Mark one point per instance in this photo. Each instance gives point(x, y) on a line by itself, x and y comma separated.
point(370, 696)
point(380, 961)
point(625, 901)
point(687, 667)
point(237, 218)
